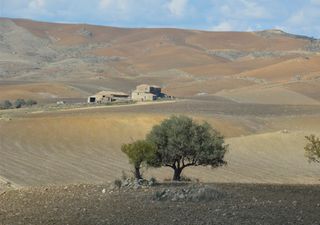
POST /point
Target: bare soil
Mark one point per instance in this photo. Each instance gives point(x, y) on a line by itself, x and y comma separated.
point(87, 204)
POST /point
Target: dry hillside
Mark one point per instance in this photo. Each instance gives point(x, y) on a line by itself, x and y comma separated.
point(89, 58)
point(249, 85)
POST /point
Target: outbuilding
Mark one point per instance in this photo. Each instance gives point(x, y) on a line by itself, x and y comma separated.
point(108, 96)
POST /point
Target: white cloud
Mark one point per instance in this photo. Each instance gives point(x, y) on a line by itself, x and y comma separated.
point(304, 21)
point(116, 6)
point(223, 26)
point(301, 16)
point(297, 18)
point(104, 4)
point(177, 7)
point(254, 10)
point(242, 9)
point(37, 4)
point(316, 2)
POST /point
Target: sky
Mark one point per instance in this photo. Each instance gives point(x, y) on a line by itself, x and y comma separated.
point(293, 16)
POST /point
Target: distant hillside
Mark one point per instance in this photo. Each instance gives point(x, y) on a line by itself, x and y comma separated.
point(182, 61)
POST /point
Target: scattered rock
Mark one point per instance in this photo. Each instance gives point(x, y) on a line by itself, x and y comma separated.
point(131, 183)
point(192, 193)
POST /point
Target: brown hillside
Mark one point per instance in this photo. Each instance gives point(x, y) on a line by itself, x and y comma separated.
point(185, 62)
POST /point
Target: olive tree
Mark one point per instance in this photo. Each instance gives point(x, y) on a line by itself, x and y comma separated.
point(181, 142)
point(312, 149)
point(139, 153)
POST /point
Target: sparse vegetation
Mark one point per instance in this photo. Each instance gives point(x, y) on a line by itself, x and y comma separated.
point(312, 149)
point(117, 183)
point(19, 103)
point(139, 153)
point(31, 102)
point(6, 105)
point(181, 142)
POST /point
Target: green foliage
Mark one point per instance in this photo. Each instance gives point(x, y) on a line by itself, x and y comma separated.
point(312, 149)
point(31, 102)
point(139, 152)
point(117, 183)
point(6, 105)
point(19, 103)
point(181, 142)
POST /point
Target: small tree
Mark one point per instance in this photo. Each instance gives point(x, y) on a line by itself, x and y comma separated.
point(181, 143)
point(19, 103)
point(31, 102)
point(139, 152)
point(312, 149)
point(6, 104)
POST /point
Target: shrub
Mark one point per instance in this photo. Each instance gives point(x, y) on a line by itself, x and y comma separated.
point(117, 183)
point(19, 103)
point(139, 153)
point(6, 105)
point(31, 102)
point(312, 149)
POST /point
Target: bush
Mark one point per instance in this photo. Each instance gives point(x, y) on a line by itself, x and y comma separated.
point(312, 149)
point(31, 102)
point(19, 103)
point(139, 153)
point(6, 105)
point(117, 183)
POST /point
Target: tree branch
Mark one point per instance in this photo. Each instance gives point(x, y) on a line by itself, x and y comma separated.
point(168, 165)
point(188, 164)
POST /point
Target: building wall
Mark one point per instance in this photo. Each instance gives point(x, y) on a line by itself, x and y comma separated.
point(141, 96)
point(144, 88)
point(107, 98)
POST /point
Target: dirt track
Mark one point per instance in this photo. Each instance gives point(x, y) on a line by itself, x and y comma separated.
point(86, 204)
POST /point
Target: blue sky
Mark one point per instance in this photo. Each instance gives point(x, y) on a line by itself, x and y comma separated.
point(294, 16)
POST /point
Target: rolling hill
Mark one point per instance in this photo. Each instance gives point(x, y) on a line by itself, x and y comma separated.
point(188, 62)
point(251, 86)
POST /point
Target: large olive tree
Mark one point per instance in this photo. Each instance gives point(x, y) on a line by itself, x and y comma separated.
point(181, 142)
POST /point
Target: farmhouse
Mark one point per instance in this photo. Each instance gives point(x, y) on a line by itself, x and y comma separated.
point(108, 96)
point(145, 92)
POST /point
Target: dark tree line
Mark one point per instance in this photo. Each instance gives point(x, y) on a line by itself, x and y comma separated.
point(19, 103)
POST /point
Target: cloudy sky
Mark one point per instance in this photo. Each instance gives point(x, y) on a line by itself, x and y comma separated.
point(295, 16)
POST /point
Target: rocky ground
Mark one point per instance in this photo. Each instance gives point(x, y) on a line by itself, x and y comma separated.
point(163, 204)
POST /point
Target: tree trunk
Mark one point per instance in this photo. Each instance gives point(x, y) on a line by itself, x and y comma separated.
point(137, 173)
point(177, 174)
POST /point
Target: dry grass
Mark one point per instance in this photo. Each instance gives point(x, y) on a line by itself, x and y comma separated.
point(84, 146)
point(268, 95)
point(38, 91)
